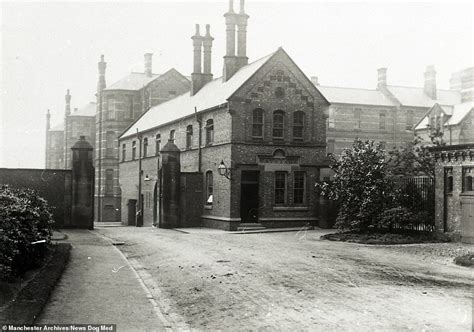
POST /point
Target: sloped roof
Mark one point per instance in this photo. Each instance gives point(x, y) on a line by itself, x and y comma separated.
point(132, 82)
point(458, 113)
point(416, 97)
point(354, 96)
point(212, 94)
point(57, 127)
point(87, 110)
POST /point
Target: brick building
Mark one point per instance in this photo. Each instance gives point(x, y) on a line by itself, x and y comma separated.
point(264, 121)
point(60, 138)
point(387, 114)
point(454, 196)
point(118, 105)
point(455, 121)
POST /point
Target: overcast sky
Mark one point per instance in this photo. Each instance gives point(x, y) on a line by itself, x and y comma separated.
point(48, 47)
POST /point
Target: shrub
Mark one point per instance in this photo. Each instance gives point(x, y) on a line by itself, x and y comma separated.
point(25, 218)
point(396, 216)
point(361, 185)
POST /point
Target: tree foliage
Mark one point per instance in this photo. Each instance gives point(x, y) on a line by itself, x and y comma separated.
point(361, 185)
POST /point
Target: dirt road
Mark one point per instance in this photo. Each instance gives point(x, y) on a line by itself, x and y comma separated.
point(210, 279)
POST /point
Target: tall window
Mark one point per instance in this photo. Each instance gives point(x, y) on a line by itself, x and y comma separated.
point(209, 188)
point(280, 187)
point(467, 175)
point(278, 124)
point(189, 136)
point(410, 121)
point(209, 132)
point(109, 143)
point(124, 151)
point(109, 181)
point(298, 125)
point(331, 118)
point(145, 147)
point(157, 144)
point(299, 187)
point(110, 107)
point(257, 123)
point(130, 106)
point(134, 150)
point(382, 120)
point(172, 135)
point(357, 117)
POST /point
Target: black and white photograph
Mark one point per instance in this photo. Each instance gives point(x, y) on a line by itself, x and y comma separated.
point(247, 165)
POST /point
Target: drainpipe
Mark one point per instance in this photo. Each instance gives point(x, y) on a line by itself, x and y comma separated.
point(99, 188)
point(139, 219)
point(199, 121)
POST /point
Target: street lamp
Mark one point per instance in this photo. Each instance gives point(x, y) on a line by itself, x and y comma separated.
point(223, 170)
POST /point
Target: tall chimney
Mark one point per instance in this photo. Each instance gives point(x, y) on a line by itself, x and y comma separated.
point(314, 79)
point(242, 19)
point(68, 103)
point(207, 45)
point(102, 65)
point(48, 120)
point(430, 82)
point(381, 78)
point(230, 60)
point(196, 76)
point(148, 64)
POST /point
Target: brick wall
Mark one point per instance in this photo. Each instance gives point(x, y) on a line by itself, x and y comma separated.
point(52, 185)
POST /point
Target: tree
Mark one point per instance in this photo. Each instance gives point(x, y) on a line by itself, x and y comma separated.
point(361, 185)
point(416, 159)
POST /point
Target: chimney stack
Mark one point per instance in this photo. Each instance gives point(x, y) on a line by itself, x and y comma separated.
point(430, 82)
point(68, 103)
point(148, 64)
point(207, 44)
point(230, 60)
point(382, 78)
point(196, 76)
point(102, 65)
point(242, 19)
point(48, 120)
point(314, 79)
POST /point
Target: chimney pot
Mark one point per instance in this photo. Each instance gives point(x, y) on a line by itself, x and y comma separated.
point(242, 4)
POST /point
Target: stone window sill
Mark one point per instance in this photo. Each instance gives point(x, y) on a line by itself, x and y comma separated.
point(290, 208)
point(207, 207)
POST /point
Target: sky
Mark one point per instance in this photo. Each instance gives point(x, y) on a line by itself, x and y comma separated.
point(48, 47)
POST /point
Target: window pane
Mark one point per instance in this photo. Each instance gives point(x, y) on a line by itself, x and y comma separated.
point(278, 124)
point(280, 187)
point(157, 144)
point(382, 120)
point(257, 123)
point(298, 188)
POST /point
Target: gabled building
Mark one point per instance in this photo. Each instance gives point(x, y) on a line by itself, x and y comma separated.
point(455, 121)
point(118, 105)
point(387, 113)
point(250, 143)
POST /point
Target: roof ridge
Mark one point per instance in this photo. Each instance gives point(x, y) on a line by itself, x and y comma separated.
point(348, 88)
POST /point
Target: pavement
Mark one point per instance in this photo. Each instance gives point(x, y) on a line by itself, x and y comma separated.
point(100, 287)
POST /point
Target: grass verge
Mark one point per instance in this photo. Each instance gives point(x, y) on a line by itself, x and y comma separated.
point(386, 238)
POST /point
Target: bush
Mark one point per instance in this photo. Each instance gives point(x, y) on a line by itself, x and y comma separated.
point(361, 185)
point(25, 218)
point(396, 216)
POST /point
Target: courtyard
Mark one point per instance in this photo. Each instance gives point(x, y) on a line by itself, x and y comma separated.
point(210, 279)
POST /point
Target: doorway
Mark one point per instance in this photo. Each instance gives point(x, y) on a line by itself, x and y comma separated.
point(249, 196)
point(132, 211)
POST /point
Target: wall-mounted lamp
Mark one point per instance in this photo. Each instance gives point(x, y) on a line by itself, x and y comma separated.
point(224, 170)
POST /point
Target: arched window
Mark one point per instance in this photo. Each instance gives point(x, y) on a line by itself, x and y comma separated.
point(257, 123)
point(134, 150)
point(157, 144)
point(209, 132)
point(172, 135)
point(298, 125)
point(189, 136)
point(145, 147)
point(278, 124)
point(209, 188)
